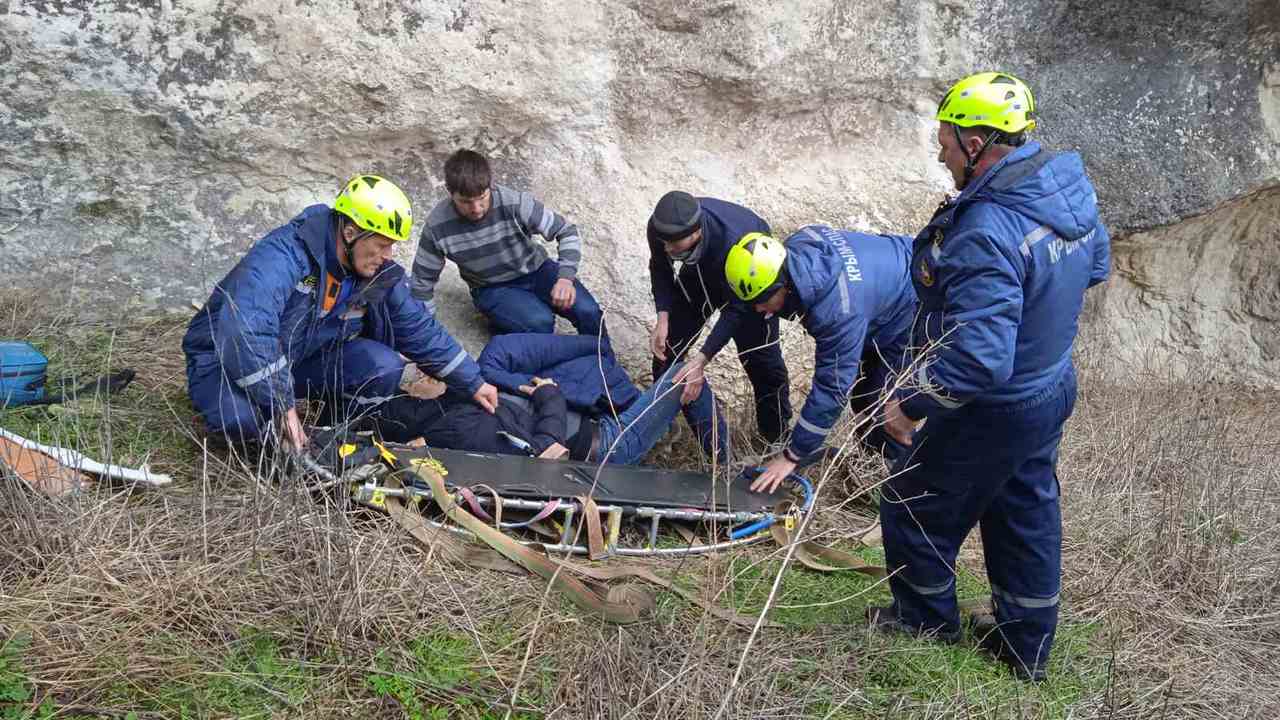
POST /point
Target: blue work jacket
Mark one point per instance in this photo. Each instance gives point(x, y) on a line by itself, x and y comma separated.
point(584, 367)
point(288, 299)
point(848, 290)
point(1001, 271)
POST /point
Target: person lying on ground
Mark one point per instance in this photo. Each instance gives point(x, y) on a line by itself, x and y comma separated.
point(852, 293)
point(589, 375)
point(487, 229)
point(697, 233)
point(544, 426)
point(317, 309)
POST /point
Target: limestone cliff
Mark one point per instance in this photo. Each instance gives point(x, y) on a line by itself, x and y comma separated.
point(145, 144)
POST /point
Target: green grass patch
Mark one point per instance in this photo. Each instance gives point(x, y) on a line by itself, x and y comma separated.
point(914, 677)
point(15, 686)
point(253, 680)
point(433, 679)
point(904, 677)
point(808, 599)
point(16, 689)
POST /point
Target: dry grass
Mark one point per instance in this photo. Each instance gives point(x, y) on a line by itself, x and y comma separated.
point(232, 594)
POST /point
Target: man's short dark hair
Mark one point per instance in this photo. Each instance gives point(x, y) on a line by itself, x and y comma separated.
point(1001, 137)
point(466, 173)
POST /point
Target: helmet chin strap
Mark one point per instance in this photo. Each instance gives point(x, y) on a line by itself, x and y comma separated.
point(349, 247)
point(971, 161)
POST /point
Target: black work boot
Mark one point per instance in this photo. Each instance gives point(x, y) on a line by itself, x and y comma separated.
point(884, 619)
point(986, 631)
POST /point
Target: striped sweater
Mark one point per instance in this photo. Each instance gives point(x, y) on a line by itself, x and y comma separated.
point(496, 249)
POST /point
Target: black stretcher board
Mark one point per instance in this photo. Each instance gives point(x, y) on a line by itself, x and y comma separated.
point(514, 476)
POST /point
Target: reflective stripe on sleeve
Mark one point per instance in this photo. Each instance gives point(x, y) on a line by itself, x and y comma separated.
point(454, 363)
point(801, 422)
point(262, 374)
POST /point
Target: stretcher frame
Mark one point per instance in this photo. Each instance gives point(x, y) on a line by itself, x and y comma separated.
point(365, 486)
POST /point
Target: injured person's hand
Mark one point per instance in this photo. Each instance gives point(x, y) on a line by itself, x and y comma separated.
point(536, 383)
point(555, 451)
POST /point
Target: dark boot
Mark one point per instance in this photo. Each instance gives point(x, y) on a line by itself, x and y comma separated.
point(986, 632)
point(884, 619)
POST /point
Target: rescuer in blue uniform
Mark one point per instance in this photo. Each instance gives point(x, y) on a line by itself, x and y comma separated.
point(852, 293)
point(317, 308)
point(1001, 272)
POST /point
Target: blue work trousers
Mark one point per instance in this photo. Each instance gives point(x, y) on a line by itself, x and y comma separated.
point(353, 378)
point(995, 467)
point(524, 304)
point(875, 376)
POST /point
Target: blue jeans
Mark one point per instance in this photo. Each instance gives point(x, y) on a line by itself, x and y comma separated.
point(524, 304)
point(756, 340)
point(993, 466)
point(624, 440)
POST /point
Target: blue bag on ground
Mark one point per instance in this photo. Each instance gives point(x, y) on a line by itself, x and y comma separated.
point(22, 373)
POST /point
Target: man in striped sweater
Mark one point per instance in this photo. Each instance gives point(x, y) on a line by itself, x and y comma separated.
point(487, 230)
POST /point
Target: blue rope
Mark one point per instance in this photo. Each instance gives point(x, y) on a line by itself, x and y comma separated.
point(766, 522)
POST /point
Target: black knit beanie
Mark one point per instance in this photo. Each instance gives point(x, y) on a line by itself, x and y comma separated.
point(677, 215)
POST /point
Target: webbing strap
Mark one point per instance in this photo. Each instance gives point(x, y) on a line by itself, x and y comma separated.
point(819, 557)
point(473, 503)
point(596, 572)
point(617, 609)
point(545, 512)
point(596, 549)
point(621, 605)
point(536, 520)
point(550, 530)
point(441, 541)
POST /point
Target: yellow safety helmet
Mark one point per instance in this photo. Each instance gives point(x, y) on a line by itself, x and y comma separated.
point(754, 265)
point(990, 99)
point(377, 205)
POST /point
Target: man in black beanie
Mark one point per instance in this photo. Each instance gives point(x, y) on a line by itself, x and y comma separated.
point(697, 233)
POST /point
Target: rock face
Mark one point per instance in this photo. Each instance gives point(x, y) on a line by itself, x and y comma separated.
point(147, 144)
point(1200, 296)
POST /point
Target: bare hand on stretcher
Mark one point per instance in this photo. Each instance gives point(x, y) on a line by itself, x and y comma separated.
point(774, 473)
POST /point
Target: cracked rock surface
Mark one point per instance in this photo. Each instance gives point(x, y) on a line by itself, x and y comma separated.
point(145, 145)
